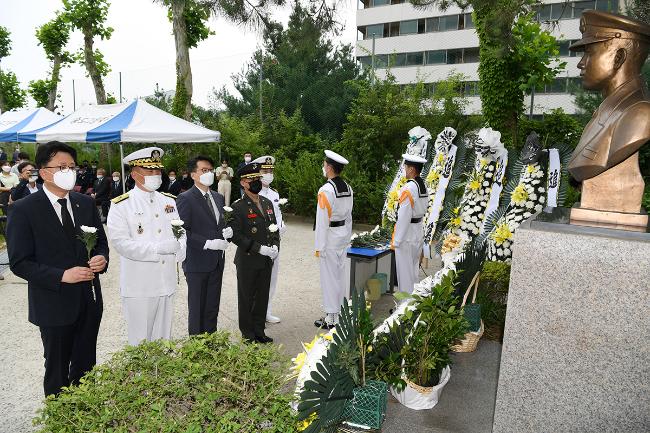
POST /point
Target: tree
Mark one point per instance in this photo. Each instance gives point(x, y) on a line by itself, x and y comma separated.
point(11, 95)
point(507, 36)
point(53, 36)
point(5, 49)
point(639, 9)
point(89, 16)
point(302, 69)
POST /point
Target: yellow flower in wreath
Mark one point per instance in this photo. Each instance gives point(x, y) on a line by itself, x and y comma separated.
point(519, 195)
point(433, 177)
point(501, 234)
point(441, 158)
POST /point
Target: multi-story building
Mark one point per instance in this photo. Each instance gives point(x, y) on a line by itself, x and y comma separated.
point(429, 45)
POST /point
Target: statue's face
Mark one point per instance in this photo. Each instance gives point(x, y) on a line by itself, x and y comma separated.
point(597, 65)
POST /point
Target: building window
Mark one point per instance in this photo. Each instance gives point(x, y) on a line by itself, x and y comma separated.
point(544, 13)
point(365, 61)
point(471, 55)
point(396, 2)
point(436, 57)
point(415, 59)
point(421, 25)
point(461, 22)
point(557, 86)
point(380, 2)
point(398, 59)
point(469, 22)
point(376, 29)
point(579, 7)
point(432, 24)
point(564, 48)
point(394, 29)
point(449, 22)
point(408, 27)
point(607, 5)
point(454, 56)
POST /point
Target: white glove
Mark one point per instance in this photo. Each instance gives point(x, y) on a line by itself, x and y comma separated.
point(271, 252)
point(168, 247)
point(216, 244)
point(227, 233)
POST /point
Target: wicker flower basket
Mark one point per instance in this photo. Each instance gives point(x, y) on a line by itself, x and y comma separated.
point(469, 343)
point(420, 397)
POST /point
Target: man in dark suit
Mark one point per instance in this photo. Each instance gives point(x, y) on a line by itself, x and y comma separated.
point(257, 247)
point(102, 192)
point(201, 209)
point(28, 182)
point(64, 292)
point(174, 186)
point(116, 185)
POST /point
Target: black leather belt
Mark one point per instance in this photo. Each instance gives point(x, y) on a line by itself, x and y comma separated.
point(337, 223)
point(416, 220)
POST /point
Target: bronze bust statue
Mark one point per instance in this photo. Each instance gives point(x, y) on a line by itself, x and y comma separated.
point(606, 159)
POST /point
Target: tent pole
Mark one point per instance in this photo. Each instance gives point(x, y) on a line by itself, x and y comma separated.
point(122, 164)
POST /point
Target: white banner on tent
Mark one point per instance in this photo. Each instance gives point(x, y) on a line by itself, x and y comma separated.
point(554, 174)
point(497, 187)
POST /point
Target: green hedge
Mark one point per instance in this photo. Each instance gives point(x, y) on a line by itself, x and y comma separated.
point(205, 383)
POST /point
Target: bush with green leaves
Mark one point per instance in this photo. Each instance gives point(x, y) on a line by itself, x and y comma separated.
point(205, 383)
point(493, 297)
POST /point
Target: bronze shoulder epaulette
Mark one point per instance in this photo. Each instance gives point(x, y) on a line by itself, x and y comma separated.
point(120, 198)
point(169, 195)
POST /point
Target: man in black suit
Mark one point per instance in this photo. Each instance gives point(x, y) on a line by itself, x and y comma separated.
point(202, 211)
point(116, 185)
point(64, 292)
point(28, 182)
point(174, 186)
point(102, 192)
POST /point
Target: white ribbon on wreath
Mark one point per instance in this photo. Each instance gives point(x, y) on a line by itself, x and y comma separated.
point(554, 174)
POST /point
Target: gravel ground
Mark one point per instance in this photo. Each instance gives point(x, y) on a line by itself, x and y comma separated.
point(297, 303)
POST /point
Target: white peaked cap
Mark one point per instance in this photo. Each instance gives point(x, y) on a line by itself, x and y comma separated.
point(414, 159)
point(336, 157)
point(149, 157)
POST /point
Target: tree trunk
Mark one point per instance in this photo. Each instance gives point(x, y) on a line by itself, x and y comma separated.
point(182, 105)
point(91, 67)
point(2, 95)
point(54, 82)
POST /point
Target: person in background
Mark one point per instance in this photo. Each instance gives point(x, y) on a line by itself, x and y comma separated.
point(202, 211)
point(93, 167)
point(63, 287)
point(129, 182)
point(175, 186)
point(102, 192)
point(116, 185)
point(22, 157)
point(267, 164)
point(140, 229)
point(248, 157)
point(186, 181)
point(333, 232)
point(8, 180)
point(3, 154)
point(27, 184)
point(16, 155)
point(225, 174)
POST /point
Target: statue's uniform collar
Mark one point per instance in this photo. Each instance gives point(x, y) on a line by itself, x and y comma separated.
point(611, 103)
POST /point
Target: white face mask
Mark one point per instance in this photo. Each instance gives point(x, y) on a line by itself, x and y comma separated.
point(207, 179)
point(65, 180)
point(324, 172)
point(100, 177)
point(247, 159)
point(224, 165)
point(152, 183)
point(172, 178)
point(267, 178)
point(6, 168)
point(33, 179)
point(116, 179)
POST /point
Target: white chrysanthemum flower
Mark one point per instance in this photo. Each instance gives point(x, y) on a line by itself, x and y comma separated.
point(500, 251)
point(273, 228)
point(475, 231)
point(486, 183)
point(533, 196)
point(474, 219)
point(88, 229)
point(283, 201)
point(529, 204)
point(177, 223)
point(538, 208)
point(507, 252)
point(527, 214)
point(535, 182)
point(488, 175)
point(542, 199)
point(227, 208)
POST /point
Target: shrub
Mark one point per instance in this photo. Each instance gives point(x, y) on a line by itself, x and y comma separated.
point(493, 297)
point(204, 383)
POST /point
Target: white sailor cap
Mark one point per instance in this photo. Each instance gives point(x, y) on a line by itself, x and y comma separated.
point(149, 157)
point(413, 159)
point(335, 157)
point(266, 161)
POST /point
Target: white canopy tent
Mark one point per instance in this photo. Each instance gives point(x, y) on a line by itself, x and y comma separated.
point(15, 122)
point(130, 122)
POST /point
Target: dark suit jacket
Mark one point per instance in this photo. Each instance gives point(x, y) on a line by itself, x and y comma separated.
point(22, 190)
point(200, 226)
point(116, 191)
point(251, 230)
point(102, 189)
point(40, 252)
point(175, 188)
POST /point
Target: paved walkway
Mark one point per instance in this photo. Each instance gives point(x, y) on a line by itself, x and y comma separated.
point(297, 303)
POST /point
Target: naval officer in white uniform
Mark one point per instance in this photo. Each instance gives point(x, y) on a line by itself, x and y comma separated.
point(333, 232)
point(408, 233)
point(139, 228)
point(267, 164)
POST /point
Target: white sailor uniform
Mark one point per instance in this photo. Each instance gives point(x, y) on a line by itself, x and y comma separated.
point(274, 196)
point(408, 234)
point(138, 223)
point(333, 232)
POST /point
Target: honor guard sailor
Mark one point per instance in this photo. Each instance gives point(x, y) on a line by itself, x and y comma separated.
point(333, 232)
point(408, 233)
point(267, 164)
point(140, 229)
point(252, 222)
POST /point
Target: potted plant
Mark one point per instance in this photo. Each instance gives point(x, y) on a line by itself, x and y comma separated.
point(413, 357)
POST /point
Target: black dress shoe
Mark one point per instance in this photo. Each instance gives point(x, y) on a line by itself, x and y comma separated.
point(264, 339)
point(322, 324)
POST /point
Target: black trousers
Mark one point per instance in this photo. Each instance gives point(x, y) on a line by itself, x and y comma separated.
point(253, 299)
point(203, 299)
point(70, 351)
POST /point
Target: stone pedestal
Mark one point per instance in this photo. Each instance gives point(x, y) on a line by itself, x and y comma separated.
point(576, 349)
